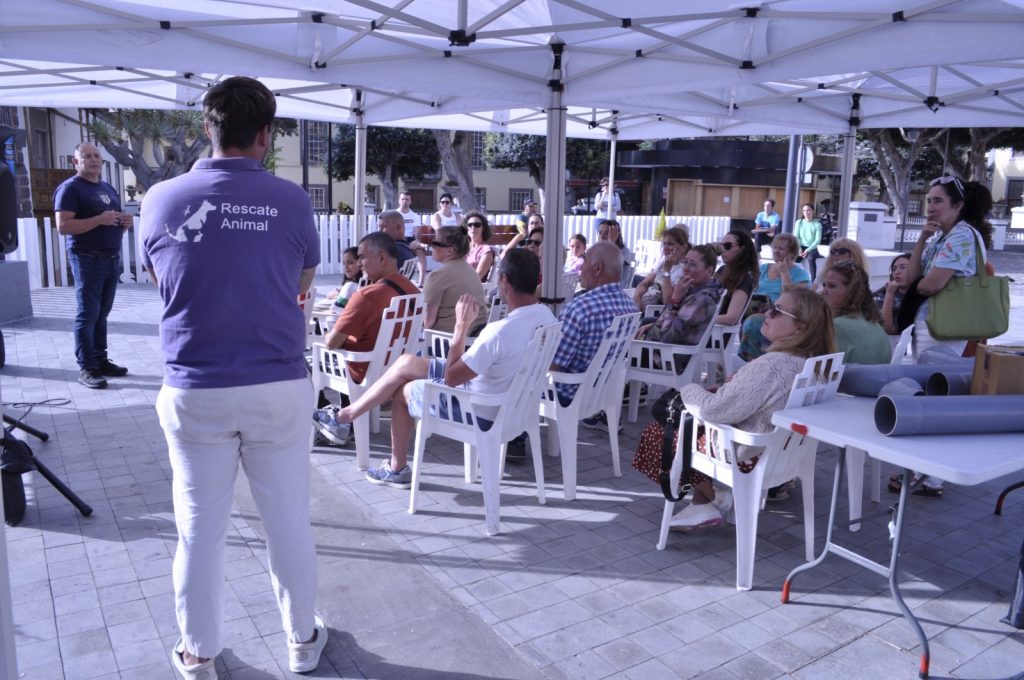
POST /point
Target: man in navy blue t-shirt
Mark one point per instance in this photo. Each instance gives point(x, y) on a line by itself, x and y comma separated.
point(89, 213)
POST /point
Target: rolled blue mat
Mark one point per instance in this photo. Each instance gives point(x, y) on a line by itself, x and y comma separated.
point(866, 381)
point(947, 384)
point(899, 415)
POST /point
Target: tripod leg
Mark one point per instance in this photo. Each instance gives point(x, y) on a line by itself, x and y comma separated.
point(82, 506)
point(39, 434)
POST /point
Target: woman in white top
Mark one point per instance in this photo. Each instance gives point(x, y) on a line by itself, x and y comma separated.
point(444, 217)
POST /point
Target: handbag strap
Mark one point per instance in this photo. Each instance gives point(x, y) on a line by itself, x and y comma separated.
point(668, 449)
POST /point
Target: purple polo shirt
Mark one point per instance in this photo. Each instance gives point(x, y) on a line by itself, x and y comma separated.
point(228, 241)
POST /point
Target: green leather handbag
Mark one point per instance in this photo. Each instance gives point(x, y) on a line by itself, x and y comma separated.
point(971, 307)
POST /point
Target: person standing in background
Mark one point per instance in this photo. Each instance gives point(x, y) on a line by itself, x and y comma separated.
point(89, 212)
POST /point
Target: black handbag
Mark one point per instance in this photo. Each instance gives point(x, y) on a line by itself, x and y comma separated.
point(668, 411)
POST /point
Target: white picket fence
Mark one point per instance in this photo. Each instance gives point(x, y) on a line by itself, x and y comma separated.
point(45, 250)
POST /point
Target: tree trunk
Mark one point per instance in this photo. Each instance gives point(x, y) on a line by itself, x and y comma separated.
point(389, 185)
point(457, 159)
point(536, 171)
point(895, 167)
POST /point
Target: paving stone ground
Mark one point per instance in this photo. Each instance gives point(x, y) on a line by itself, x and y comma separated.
point(568, 590)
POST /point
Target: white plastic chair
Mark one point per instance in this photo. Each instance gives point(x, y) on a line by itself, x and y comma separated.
point(647, 255)
point(409, 268)
point(655, 363)
point(725, 352)
point(901, 345)
point(569, 281)
point(498, 311)
point(306, 302)
point(517, 412)
point(786, 455)
point(400, 328)
point(600, 387)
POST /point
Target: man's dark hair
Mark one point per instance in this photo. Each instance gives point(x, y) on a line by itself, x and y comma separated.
point(770, 200)
point(235, 110)
point(521, 269)
point(380, 242)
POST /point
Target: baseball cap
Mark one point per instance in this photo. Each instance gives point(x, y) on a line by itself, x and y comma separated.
point(529, 201)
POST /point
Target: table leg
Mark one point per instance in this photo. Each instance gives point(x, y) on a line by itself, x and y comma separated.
point(894, 567)
point(837, 482)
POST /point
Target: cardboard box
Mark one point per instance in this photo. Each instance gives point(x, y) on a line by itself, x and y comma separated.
point(998, 369)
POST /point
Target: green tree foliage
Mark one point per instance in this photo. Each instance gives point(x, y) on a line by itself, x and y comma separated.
point(391, 154)
point(584, 158)
point(155, 144)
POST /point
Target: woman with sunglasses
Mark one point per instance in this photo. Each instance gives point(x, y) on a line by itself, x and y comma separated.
point(889, 297)
point(842, 250)
point(657, 286)
point(859, 332)
point(481, 255)
point(444, 217)
point(955, 233)
point(738, 275)
point(773, 278)
point(692, 304)
point(447, 284)
point(799, 326)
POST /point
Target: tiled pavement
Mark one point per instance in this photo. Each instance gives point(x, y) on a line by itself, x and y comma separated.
point(574, 590)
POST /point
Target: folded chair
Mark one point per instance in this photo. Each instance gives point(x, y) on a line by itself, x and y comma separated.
point(452, 412)
point(400, 328)
point(600, 389)
point(785, 455)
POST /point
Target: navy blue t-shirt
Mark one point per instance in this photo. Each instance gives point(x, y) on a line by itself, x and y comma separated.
point(88, 199)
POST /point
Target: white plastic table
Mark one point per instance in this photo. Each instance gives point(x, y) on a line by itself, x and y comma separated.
point(848, 422)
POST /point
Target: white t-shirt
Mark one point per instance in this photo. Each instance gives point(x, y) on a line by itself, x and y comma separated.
point(602, 196)
point(412, 220)
point(496, 354)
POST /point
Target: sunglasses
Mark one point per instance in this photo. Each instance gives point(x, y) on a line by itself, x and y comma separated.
point(774, 310)
point(946, 179)
point(728, 245)
point(839, 251)
point(533, 242)
point(445, 201)
point(438, 244)
point(475, 225)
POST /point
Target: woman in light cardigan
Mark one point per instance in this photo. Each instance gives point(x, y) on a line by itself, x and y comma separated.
point(799, 326)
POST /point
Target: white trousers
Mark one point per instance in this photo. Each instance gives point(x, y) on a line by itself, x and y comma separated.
point(208, 431)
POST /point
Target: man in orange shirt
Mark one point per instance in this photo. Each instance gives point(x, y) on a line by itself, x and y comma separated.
point(357, 327)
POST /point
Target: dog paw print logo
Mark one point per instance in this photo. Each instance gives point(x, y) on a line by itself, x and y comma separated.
point(191, 230)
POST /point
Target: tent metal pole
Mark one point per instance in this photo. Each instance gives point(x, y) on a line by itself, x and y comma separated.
point(792, 195)
point(554, 185)
point(359, 191)
point(611, 169)
point(846, 185)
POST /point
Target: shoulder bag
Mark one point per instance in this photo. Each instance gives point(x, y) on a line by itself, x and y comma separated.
point(971, 307)
point(658, 445)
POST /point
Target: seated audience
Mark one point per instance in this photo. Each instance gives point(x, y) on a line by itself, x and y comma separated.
point(350, 284)
point(609, 230)
point(842, 250)
point(444, 217)
point(859, 332)
point(392, 223)
point(772, 278)
point(691, 307)
point(574, 261)
point(455, 278)
point(357, 326)
point(658, 284)
point(738, 275)
point(488, 366)
point(481, 255)
point(888, 297)
point(799, 327)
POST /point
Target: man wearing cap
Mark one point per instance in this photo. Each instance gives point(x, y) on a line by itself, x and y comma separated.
point(523, 221)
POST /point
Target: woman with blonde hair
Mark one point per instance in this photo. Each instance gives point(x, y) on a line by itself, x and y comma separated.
point(447, 284)
point(858, 323)
point(799, 326)
point(773, 278)
point(842, 250)
point(656, 288)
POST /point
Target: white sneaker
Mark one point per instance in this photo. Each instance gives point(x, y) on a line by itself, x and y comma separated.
point(694, 517)
point(304, 657)
point(199, 671)
point(724, 502)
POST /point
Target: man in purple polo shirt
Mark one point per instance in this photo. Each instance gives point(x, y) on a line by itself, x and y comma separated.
point(230, 246)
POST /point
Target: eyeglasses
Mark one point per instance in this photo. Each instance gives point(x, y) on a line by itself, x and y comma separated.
point(475, 225)
point(533, 242)
point(439, 244)
point(445, 201)
point(692, 264)
point(839, 251)
point(774, 310)
point(946, 179)
point(728, 245)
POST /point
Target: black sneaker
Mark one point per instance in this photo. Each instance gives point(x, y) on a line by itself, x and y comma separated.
point(515, 452)
point(599, 422)
point(92, 379)
point(643, 395)
point(108, 367)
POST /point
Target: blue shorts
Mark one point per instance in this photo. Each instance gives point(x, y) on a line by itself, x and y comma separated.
point(435, 374)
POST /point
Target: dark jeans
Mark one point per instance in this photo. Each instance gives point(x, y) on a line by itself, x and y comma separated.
point(762, 238)
point(95, 284)
point(811, 263)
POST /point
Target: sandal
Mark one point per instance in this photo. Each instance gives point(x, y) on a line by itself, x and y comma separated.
point(917, 488)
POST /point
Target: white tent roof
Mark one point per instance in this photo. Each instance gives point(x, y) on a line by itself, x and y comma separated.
point(670, 69)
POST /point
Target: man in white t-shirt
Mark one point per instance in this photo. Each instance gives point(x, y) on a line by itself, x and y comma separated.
point(488, 366)
point(601, 204)
point(411, 219)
